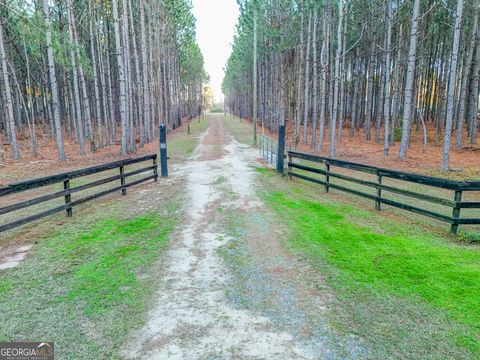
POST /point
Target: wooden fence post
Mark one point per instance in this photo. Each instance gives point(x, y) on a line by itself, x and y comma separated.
point(327, 178)
point(290, 161)
point(122, 180)
point(163, 150)
point(281, 149)
point(155, 169)
point(456, 211)
point(68, 198)
point(378, 203)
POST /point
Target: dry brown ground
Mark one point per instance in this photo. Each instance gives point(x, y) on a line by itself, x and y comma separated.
point(357, 149)
point(214, 140)
point(45, 163)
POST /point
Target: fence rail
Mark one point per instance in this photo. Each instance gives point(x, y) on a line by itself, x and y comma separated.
point(268, 149)
point(67, 192)
point(458, 187)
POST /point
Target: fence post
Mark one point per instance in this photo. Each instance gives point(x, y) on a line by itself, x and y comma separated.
point(155, 169)
point(378, 203)
point(122, 180)
point(290, 161)
point(327, 178)
point(281, 150)
point(456, 211)
point(68, 198)
point(163, 150)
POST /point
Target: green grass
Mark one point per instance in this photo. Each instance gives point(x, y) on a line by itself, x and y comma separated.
point(395, 284)
point(240, 130)
point(85, 286)
point(216, 111)
point(181, 145)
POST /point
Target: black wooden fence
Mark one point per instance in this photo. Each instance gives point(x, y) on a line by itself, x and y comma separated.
point(457, 187)
point(269, 149)
point(68, 191)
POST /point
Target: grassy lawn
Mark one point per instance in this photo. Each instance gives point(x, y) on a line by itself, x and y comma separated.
point(181, 145)
point(88, 280)
point(407, 292)
point(241, 130)
point(86, 285)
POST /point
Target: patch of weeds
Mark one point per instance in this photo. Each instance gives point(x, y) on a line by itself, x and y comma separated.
point(231, 195)
point(427, 285)
point(5, 285)
point(265, 171)
point(220, 180)
point(469, 236)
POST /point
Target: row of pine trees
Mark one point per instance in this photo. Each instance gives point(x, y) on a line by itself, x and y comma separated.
point(99, 72)
point(378, 68)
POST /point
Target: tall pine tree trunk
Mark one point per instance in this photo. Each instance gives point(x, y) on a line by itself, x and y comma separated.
point(53, 84)
point(451, 86)
point(76, 91)
point(409, 84)
point(8, 104)
point(121, 80)
point(474, 92)
point(333, 121)
point(98, 112)
point(298, 106)
point(315, 78)
point(323, 88)
point(306, 110)
point(388, 85)
point(145, 82)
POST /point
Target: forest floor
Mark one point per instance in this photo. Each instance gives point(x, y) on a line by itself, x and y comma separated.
point(226, 260)
point(465, 163)
point(45, 163)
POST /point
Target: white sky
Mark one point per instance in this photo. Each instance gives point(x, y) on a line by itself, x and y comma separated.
point(216, 21)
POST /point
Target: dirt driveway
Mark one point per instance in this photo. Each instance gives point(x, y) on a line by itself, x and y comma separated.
point(229, 290)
